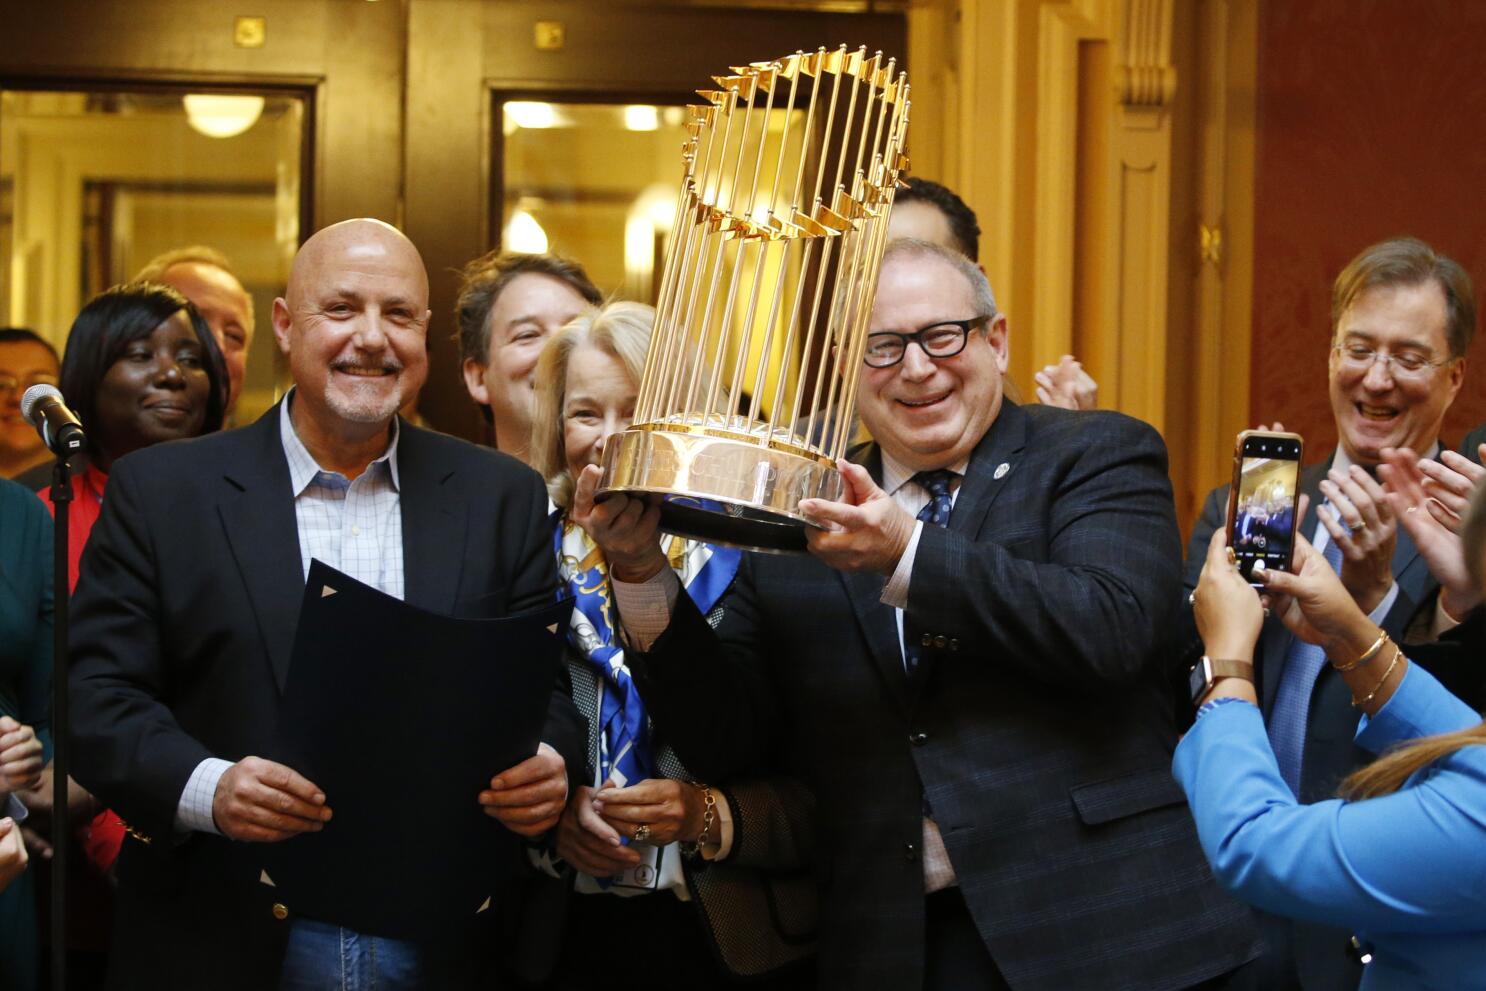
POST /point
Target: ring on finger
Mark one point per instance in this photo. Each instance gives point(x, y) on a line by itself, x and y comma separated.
point(642, 832)
point(1357, 527)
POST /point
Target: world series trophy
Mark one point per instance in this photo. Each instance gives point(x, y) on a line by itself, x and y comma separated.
point(748, 394)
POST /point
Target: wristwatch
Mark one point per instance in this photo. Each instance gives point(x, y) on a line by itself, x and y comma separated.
point(1210, 669)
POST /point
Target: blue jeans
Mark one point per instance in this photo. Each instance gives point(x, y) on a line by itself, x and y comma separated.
point(322, 957)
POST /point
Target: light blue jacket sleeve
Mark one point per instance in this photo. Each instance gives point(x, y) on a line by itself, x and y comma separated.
point(1413, 861)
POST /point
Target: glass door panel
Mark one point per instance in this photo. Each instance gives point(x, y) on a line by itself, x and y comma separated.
point(93, 185)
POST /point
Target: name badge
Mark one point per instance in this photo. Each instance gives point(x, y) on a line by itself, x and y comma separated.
point(646, 874)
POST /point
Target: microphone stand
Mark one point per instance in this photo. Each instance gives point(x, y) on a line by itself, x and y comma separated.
point(61, 494)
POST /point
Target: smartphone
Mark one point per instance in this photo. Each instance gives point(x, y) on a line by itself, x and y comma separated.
point(1264, 500)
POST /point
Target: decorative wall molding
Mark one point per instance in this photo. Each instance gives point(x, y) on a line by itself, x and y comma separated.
point(1146, 76)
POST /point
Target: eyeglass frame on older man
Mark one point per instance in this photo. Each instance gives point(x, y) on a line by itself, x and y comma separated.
point(1398, 366)
point(962, 335)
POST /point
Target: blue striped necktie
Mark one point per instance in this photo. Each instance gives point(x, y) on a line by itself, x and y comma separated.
point(935, 513)
point(1292, 697)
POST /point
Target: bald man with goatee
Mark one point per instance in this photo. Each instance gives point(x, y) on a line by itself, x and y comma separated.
point(185, 613)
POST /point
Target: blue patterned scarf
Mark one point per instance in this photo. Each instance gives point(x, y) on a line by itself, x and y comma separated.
point(706, 571)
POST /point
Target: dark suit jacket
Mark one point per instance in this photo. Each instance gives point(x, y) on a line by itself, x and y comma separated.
point(183, 622)
point(1471, 445)
point(1037, 732)
point(1319, 953)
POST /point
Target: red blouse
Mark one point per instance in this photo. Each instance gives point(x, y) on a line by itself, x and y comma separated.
point(105, 834)
point(87, 504)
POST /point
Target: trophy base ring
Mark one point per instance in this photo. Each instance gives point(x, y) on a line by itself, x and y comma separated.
point(724, 491)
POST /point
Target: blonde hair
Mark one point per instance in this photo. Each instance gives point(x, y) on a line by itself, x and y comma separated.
point(1388, 773)
point(619, 329)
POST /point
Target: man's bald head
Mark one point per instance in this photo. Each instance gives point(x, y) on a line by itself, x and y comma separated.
point(354, 324)
point(345, 245)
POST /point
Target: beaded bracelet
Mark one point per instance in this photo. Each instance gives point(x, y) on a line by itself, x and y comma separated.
point(1397, 654)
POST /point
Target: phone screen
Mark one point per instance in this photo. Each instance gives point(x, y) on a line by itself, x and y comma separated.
point(1266, 483)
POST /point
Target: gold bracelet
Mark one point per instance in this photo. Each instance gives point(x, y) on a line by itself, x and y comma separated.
point(709, 811)
point(1397, 653)
point(691, 851)
point(1368, 654)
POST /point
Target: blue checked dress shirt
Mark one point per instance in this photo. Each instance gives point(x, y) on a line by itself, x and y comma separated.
point(1292, 700)
point(353, 526)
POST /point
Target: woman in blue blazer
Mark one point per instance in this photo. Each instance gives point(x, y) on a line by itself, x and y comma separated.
point(1401, 856)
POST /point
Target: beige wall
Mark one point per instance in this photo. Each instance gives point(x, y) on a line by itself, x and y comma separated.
point(1097, 140)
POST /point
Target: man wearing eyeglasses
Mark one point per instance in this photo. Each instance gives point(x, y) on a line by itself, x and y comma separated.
point(26, 359)
point(965, 672)
point(1402, 320)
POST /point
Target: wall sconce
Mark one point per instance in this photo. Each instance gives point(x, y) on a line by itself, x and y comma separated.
point(221, 116)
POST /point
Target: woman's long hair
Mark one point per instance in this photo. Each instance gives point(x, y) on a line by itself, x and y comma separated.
point(1388, 774)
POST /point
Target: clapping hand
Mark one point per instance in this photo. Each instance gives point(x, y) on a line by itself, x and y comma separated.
point(1066, 384)
point(1432, 524)
point(1448, 484)
point(1361, 522)
point(528, 799)
point(20, 756)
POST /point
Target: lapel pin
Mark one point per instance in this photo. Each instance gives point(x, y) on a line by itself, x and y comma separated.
point(1001, 470)
point(552, 629)
point(326, 591)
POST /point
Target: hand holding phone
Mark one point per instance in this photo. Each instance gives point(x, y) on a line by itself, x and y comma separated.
point(1264, 500)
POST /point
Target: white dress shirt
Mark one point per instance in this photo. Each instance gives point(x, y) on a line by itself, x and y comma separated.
point(353, 526)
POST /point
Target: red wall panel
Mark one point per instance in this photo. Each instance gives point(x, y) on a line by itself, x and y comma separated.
point(1371, 122)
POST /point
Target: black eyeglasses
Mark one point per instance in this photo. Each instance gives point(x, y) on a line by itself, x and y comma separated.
point(944, 339)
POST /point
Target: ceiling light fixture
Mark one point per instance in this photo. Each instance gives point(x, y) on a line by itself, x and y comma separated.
point(218, 115)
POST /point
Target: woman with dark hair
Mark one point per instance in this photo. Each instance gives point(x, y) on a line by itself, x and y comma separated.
point(141, 367)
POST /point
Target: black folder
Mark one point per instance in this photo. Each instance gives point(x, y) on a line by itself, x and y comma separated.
point(402, 717)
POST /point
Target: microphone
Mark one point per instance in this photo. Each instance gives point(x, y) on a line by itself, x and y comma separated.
point(43, 407)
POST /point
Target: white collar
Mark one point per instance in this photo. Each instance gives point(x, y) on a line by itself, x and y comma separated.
point(895, 474)
point(303, 468)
